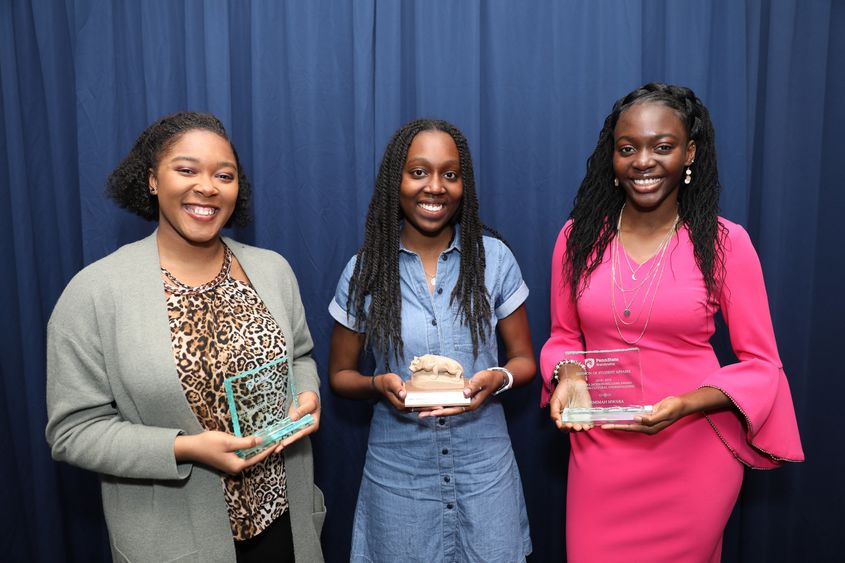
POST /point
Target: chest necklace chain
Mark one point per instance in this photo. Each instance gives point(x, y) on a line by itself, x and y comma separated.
point(649, 282)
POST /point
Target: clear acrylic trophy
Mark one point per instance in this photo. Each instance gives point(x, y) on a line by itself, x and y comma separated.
point(605, 386)
point(259, 405)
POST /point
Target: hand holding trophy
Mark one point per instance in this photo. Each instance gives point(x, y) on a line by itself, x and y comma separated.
point(600, 387)
point(260, 400)
point(436, 381)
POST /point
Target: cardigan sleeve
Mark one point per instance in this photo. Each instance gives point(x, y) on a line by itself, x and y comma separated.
point(756, 384)
point(303, 365)
point(565, 333)
point(84, 426)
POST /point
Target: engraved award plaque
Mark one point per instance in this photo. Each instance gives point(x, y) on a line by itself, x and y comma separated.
point(258, 403)
point(607, 387)
point(436, 381)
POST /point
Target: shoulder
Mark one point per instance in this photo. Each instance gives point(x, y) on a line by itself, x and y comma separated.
point(562, 237)
point(254, 258)
point(735, 239)
point(496, 248)
point(117, 266)
point(106, 278)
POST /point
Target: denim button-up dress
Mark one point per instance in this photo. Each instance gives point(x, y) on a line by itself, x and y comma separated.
point(447, 488)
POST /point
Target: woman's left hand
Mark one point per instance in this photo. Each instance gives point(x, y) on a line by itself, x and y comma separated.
point(309, 403)
point(670, 409)
point(478, 389)
point(664, 414)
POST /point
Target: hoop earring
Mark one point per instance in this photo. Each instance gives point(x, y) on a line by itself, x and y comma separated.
point(153, 191)
point(688, 178)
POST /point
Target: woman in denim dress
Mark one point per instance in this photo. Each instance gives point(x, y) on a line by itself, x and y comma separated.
point(440, 484)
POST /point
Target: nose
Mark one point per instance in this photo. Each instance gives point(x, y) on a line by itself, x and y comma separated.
point(206, 187)
point(436, 185)
point(644, 160)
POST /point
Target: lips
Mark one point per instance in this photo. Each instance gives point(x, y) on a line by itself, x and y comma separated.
point(646, 182)
point(203, 212)
point(430, 206)
point(647, 185)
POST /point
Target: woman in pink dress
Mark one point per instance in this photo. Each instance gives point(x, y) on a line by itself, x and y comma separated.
point(646, 262)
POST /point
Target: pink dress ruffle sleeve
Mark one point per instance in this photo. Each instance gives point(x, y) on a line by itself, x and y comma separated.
point(667, 497)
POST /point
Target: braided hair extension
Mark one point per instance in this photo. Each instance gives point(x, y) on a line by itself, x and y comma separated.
point(598, 202)
point(376, 270)
point(128, 184)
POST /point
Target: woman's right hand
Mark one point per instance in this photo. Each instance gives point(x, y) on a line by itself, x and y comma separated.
point(392, 387)
point(217, 449)
point(570, 392)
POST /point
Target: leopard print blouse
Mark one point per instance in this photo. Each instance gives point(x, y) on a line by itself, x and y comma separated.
point(218, 330)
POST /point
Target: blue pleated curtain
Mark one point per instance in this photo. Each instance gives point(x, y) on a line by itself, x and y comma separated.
point(311, 91)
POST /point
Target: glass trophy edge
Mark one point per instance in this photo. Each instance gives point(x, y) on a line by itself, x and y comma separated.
point(575, 415)
point(279, 431)
point(275, 434)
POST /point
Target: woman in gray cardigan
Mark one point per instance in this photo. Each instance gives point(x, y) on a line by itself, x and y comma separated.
point(138, 347)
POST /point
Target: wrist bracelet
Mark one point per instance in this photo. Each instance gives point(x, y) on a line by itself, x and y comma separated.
point(507, 383)
point(558, 366)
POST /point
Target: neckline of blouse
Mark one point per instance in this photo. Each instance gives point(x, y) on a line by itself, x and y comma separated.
point(175, 287)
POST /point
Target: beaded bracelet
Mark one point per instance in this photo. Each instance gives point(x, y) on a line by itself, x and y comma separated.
point(558, 366)
point(507, 383)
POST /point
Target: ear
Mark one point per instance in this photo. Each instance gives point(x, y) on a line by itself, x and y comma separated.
point(152, 181)
point(690, 153)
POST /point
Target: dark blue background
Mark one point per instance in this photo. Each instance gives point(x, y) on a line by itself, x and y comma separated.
point(311, 92)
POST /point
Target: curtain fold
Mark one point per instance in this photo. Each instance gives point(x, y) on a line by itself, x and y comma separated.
point(311, 92)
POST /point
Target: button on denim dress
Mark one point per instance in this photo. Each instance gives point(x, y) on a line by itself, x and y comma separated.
point(448, 488)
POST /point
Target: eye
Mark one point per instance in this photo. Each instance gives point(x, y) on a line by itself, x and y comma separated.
point(626, 150)
point(451, 176)
point(417, 173)
point(664, 147)
point(186, 171)
point(226, 177)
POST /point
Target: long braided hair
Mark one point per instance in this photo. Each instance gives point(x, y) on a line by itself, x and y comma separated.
point(598, 202)
point(376, 270)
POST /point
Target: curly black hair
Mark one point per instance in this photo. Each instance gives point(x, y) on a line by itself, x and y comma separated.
point(376, 270)
point(128, 184)
point(598, 202)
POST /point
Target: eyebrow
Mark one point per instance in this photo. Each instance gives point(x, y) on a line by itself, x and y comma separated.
point(221, 164)
point(425, 161)
point(658, 136)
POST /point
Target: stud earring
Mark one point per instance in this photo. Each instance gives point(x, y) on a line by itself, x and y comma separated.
point(688, 178)
point(616, 182)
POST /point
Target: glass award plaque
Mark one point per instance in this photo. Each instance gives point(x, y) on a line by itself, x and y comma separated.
point(258, 403)
point(436, 381)
point(606, 387)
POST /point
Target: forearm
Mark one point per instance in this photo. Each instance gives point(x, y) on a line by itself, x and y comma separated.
point(352, 384)
point(704, 399)
point(523, 369)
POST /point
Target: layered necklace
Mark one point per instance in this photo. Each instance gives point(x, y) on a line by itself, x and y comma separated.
point(643, 291)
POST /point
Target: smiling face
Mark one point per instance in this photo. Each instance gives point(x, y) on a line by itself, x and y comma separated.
point(432, 187)
point(651, 151)
point(197, 184)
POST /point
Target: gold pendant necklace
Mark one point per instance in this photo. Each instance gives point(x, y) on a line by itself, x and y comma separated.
point(653, 277)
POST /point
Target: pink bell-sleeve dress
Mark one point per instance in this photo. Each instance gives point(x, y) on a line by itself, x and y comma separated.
point(667, 497)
